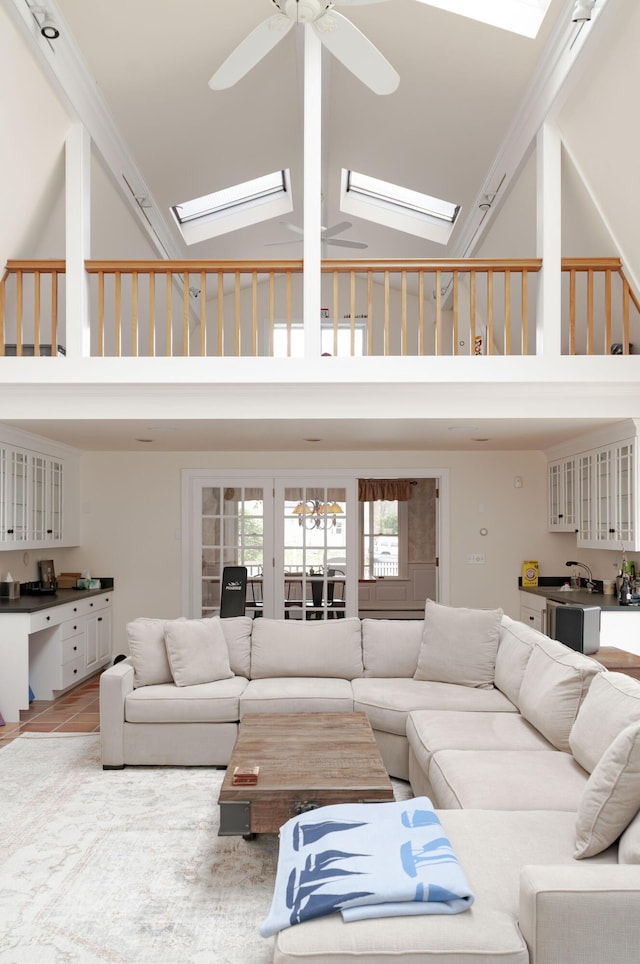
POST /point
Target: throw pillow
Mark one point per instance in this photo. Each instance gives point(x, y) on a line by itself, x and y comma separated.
point(148, 652)
point(611, 796)
point(459, 645)
point(554, 685)
point(629, 845)
point(613, 702)
point(197, 651)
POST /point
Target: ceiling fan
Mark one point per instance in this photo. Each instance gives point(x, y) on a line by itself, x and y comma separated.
point(327, 235)
point(341, 37)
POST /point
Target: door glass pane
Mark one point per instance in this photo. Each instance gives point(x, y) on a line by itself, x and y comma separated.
point(315, 553)
point(232, 533)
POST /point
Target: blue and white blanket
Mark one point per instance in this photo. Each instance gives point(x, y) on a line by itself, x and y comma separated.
point(365, 860)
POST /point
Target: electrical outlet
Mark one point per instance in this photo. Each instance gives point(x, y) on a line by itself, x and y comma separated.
point(475, 558)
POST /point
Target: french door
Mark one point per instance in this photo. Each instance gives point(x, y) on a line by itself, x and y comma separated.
point(296, 536)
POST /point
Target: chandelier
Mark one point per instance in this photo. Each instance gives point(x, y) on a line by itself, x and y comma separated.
point(314, 514)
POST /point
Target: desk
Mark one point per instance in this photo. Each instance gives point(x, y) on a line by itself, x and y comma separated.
point(619, 661)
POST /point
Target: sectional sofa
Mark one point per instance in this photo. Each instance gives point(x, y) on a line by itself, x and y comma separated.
point(530, 752)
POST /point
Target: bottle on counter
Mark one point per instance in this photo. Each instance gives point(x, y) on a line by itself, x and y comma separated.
point(625, 590)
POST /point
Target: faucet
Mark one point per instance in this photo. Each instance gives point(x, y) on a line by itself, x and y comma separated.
point(590, 583)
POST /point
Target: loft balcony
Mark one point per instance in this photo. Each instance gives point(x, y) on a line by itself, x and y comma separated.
point(403, 340)
point(382, 309)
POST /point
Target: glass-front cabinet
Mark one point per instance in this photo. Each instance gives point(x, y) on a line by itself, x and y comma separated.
point(608, 494)
point(31, 498)
point(562, 495)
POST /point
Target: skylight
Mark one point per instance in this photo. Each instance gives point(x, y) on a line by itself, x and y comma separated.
point(518, 16)
point(397, 207)
point(234, 207)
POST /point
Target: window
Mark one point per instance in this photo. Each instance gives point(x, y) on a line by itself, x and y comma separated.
point(290, 341)
point(234, 207)
point(384, 539)
point(519, 16)
point(397, 207)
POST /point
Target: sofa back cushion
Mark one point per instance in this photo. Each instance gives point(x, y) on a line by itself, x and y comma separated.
point(554, 685)
point(629, 844)
point(459, 645)
point(514, 649)
point(291, 647)
point(613, 702)
point(148, 652)
point(390, 647)
point(610, 799)
point(237, 632)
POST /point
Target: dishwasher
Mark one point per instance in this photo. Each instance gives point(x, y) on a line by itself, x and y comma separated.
point(578, 627)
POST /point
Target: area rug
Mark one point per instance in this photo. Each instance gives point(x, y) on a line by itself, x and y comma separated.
point(124, 866)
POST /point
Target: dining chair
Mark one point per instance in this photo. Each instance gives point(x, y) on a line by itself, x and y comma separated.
point(233, 591)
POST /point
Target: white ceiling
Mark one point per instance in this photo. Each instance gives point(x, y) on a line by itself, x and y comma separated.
point(461, 83)
point(306, 435)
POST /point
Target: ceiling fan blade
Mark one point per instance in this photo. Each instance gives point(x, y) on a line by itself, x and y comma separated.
point(347, 244)
point(291, 227)
point(336, 229)
point(271, 244)
point(343, 39)
point(251, 51)
point(356, 3)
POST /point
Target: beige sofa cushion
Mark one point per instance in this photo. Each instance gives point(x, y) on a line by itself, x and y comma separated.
point(489, 932)
point(629, 844)
point(290, 647)
point(297, 695)
point(388, 702)
point(514, 649)
point(612, 703)
point(612, 795)
point(167, 703)
point(390, 647)
point(554, 685)
point(459, 645)
point(197, 651)
point(148, 652)
point(237, 632)
point(506, 780)
point(431, 730)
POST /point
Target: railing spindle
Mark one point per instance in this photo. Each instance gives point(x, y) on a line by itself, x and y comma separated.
point(590, 312)
point(572, 312)
point(185, 314)
point(203, 314)
point(507, 313)
point(19, 295)
point(134, 314)
point(54, 313)
point(272, 312)
point(168, 348)
point(421, 344)
point(387, 339)
point(625, 316)
point(100, 345)
point(370, 313)
point(289, 313)
point(336, 309)
point(472, 311)
point(403, 312)
point(456, 293)
point(607, 309)
point(525, 312)
point(3, 282)
point(152, 315)
point(490, 312)
point(220, 314)
point(254, 314)
point(36, 314)
point(236, 319)
point(352, 309)
point(438, 312)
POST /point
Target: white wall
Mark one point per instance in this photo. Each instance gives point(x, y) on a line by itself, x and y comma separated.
point(133, 501)
point(132, 516)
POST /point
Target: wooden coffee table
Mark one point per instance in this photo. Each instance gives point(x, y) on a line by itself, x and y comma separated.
point(306, 760)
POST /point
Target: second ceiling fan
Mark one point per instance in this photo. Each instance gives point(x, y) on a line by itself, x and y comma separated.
point(327, 235)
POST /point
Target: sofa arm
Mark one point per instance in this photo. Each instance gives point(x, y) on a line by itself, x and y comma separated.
point(583, 914)
point(115, 685)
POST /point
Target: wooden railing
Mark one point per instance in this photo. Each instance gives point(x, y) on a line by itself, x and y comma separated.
point(380, 308)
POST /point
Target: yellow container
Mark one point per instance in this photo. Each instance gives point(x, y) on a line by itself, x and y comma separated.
point(530, 574)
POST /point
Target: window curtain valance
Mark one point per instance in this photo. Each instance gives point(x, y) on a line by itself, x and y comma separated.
point(384, 490)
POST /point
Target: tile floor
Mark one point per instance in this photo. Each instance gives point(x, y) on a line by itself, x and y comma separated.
point(77, 711)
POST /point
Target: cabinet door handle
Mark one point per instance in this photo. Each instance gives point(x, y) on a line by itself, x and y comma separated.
point(75, 609)
point(10, 532)
point(75, 671)
point(48, 618)
point(99, 619)
point(75, 649)
point(532, 618)
point(49, 531)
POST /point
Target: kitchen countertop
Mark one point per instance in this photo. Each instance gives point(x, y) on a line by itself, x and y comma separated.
point(580, 597)
point(36, 603)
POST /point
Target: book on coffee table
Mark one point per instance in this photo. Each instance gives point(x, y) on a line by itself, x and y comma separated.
point(245, 776)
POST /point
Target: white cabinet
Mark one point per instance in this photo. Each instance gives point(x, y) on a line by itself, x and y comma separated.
point(562, 495)
point(68, 643)
point(533, 611)
point(39, 494)
point(593, 488)
point(608, 496)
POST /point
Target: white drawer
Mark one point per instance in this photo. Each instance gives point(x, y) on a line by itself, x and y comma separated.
point(72, 647)
point(73, 627)
point(49, 617)
point(91, 605)
point(72, 671)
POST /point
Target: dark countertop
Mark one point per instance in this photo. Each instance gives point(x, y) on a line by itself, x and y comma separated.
point(36, 603)
point(580, 597)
